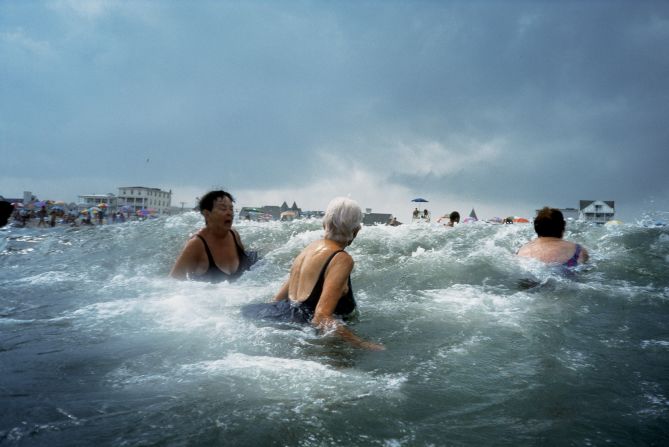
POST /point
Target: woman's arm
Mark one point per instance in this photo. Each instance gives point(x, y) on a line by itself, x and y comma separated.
point(584, 255)
point(336, 281)
point(186, 261)
point(282, 294)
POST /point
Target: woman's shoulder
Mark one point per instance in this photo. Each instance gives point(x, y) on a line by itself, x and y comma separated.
point(195, 241)
point(341, 259)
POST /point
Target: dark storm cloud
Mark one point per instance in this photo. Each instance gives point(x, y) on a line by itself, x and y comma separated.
point(572, 95)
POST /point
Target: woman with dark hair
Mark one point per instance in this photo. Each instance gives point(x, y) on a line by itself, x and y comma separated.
point(216, 252)
point(549, 247)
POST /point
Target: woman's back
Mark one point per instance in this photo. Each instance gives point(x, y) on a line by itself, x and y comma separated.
point(553, 251)
point(308, 267)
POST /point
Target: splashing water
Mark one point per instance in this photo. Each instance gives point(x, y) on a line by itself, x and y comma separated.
point(97, 345)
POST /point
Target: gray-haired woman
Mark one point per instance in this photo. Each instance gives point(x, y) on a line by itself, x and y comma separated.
point(318, 289)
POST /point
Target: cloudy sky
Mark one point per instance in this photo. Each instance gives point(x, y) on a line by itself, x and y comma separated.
point(503, 106)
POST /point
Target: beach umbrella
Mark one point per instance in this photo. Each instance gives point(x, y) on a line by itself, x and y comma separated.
point(102, 205)
point(94, 209)
point(57, 208)
point(420, 199)
point(40, 204)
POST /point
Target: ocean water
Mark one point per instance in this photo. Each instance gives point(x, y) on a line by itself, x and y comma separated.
point(99, 347)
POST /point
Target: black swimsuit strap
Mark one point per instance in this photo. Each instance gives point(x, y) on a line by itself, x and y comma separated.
point(206, 249)
point(318, 287)
point(321, 277)
point(240, 250)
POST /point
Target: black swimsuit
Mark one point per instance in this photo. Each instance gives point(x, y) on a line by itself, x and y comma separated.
point(301, 311)
point(214, 274)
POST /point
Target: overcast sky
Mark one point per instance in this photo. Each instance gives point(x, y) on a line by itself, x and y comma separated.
point(503, 106)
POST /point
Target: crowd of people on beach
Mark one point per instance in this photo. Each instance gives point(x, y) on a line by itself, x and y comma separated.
point(318, 290)
point(44, 217)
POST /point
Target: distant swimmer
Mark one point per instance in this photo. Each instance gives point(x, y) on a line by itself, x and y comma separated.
point(216, 252)
point(453, 218)
point(549, 247)
point(318, 289)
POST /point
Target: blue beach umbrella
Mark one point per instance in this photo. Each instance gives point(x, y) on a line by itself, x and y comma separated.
point(419, 199)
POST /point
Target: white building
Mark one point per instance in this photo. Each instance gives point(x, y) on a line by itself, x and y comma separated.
point(89, 200)
point(598, 211)
point(141, 197)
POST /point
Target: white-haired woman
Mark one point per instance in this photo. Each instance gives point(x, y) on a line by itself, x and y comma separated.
point(318, 289)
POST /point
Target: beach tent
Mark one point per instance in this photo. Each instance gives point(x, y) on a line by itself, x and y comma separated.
point(473, 215)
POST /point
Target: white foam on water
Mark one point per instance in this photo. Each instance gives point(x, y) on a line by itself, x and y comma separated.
point(291, 379)
point(464, 347)
point(444, 301)
point(52, 277)
point(649, 344)
point(574, 360)
point(474, 302)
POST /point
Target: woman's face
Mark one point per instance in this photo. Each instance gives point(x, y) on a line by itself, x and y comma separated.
point(222, 213)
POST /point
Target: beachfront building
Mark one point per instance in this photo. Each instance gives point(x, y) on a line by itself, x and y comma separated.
point(91, 200)
point(135, 198)
point(271, 212)
point(597, 211)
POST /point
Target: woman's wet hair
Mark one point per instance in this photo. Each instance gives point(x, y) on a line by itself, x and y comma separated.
point(454, 217)
point(342, 219)
point(549, 222)
point(207, 200)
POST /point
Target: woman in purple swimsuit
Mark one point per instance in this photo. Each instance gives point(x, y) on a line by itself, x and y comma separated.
point(549, 247)
point(216, 252)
